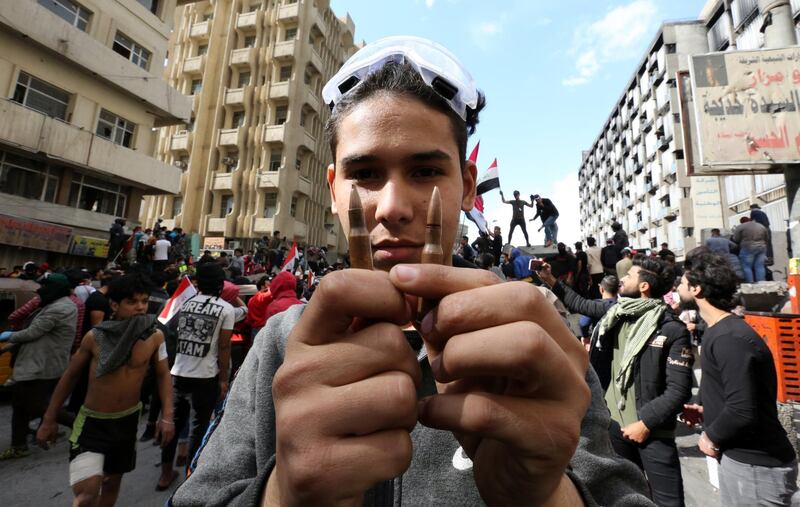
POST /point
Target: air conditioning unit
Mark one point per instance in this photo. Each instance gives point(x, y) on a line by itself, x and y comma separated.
point(181, 132)
point(180, 164)
point(229, 161)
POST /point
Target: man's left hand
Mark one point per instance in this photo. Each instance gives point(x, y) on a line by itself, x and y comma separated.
point(510, 378)
point(708, 447)
point(637, 432)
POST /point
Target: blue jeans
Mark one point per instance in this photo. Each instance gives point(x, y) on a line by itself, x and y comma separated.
point(753, 260)
point(551, 229)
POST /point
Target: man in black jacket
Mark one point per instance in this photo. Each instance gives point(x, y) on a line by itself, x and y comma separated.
point(549, 214)
point(641, 352)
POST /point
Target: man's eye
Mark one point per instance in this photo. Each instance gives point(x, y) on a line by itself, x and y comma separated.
point(364, 174)
point(426, 172)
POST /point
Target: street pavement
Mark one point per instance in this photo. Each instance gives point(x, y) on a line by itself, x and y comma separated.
point(42, 479)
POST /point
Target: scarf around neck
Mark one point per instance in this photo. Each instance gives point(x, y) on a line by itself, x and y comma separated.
point(116, 338)
point(639, 318)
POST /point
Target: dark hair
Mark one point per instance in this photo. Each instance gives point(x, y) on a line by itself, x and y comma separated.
point(238, 250)
point(486, 261)
point(127, 286)
point(591, 241)
point(578, 245)
point(465, 238)
point(403, 79)
point(616, 226)
point(717, 281)
point(210, 278)
point(715, 230)
point(656, 272)
point(264, 280)
point(610, 284)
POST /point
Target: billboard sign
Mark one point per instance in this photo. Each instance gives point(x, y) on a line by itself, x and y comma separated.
point(747, 107)
point(34, 234)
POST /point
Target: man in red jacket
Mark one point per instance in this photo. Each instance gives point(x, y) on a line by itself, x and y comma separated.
point(284, 293)
point(258, 305)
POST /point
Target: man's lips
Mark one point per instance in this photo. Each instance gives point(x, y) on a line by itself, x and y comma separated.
point(396, 251)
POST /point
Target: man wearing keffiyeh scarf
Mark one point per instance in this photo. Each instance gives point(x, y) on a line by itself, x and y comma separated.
point(643, 357)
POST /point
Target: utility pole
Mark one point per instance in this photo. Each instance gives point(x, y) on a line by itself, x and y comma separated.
point(779, 32)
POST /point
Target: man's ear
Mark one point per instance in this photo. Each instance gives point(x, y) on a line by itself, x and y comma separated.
point(469, 177)
point(114, 306)
point(697, 291)
point(331, 175)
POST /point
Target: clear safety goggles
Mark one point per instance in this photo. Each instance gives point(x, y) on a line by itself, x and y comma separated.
point(437, 66)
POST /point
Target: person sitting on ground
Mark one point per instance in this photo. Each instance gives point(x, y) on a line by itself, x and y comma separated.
point(118, 352)
point(741, 428)
point(323, 409)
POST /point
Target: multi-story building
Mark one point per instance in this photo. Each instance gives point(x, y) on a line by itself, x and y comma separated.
point(82, 89)
point(635, 173)
point(254, 155)
point(766, 190)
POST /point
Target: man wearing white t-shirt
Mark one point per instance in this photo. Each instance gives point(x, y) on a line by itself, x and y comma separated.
point(202, 362)
point(595, 267)
point(161, 254)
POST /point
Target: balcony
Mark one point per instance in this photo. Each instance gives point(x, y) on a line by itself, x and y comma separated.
point(311, 99)
point(84, 51)
point(194, 65)
point(284, 50)
point(243, 57)
point(316, 61)
point(269, 179)
point(332, 239)
point(318, 22)
point(238, 96)
point(308, 141)
point(274, 133)
point(263, 225)
point(71, 145)
point(279, 90)
point(303, 185)
point(299, 229)
point(181, 142)
point(216, 225)
point(222, 181)
point(231, 137)
point(247, 21)
point(200, 30)
point(289, 12)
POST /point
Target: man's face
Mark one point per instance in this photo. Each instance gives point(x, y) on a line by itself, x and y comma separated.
point(629, 285)
point(497, 230)
point(687, 294)
point(129, 307)
point(395, 150)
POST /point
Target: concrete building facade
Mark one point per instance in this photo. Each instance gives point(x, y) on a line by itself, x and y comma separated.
point(254, 155)
point(635, 172)
point(82, 90)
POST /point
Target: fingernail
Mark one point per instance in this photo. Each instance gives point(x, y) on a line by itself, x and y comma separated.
point(405, 273)
point(427, 324)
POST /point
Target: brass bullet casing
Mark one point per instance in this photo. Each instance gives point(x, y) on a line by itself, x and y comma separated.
point(358, 239)
point(432, 252)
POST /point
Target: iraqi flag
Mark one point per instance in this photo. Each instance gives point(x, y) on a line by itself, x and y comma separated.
point(473, 157)
point(490, 179)
point(184, 292)
point(476, 215)
point(291, 259)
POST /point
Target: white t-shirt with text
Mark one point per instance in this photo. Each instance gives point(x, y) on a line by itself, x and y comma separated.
point(199, 323)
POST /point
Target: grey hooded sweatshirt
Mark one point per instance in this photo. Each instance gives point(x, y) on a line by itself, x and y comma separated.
point(235, 464)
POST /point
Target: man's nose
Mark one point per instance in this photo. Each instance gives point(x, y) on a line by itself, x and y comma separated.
point(394, 204)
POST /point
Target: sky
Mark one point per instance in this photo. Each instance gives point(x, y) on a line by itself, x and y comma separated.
point(551, 72)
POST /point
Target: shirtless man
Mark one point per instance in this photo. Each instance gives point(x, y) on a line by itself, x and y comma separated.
point(103, 440)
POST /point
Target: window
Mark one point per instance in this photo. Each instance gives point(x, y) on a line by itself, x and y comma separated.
point(27, 178)
point(249, 41)
point(289, 2)
point(291, 33)
point(208, 16)
point(97, 195)
point(227, 205)
point(671, 48)
point(308, 77)
point(275, 161)
point(285, 73)
point(197, 86)
point(237, 120)
point(244, 79)
point(42, 97)
point(270, 204)
point(69, 11)
point(115, 129)
point(177, 206)
point(303, 116)
point(293, 208)
point(132, 51)
point(150, 5)
point(298, 163)
point(280, 114)
point(202, 49)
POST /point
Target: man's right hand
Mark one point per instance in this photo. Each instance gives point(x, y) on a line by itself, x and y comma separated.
point(692, 414)
point(345, 396)
point(47, 433)
point(546, 274)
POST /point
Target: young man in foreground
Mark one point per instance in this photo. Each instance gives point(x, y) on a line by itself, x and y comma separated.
point(757, 462)
point(336, 404)
point(103, 440)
